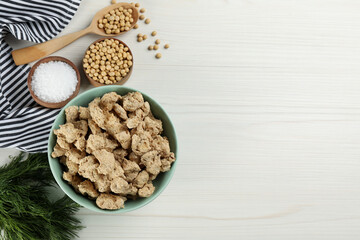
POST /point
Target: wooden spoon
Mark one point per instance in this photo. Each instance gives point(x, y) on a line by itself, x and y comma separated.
point(58, 104)
point(33, 53)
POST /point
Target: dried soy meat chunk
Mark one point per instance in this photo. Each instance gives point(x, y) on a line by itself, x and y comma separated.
point(120, 111)
point(58, 151)
point(152, 163)
point(120, 154)
point(166, 162)
point(118, 131)
point(87, 188)
point(94, 128)
point(102, 183)
point(80, 143)
point(96, 113)
point(75, 155)
point(82, 126)
point(72, 113)
point(147, 190)
point(118, 171)
point(73, 180)
point(135, 158)
point(141, 179)
point(68, 132)
point(84, 113)
point(120, 186)
point(63, 143)
point(107, 161)
point(161, 144)
point(133, 101)
point(153, 126)
point(108, 100)
point(110, 201)
point(141, 143)
point(100, 141)
point(88, 168)
point(131, 169)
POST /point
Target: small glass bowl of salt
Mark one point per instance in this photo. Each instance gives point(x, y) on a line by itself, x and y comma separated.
point(53, 81)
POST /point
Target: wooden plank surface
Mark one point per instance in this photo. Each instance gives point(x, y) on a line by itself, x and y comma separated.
point(265, 99)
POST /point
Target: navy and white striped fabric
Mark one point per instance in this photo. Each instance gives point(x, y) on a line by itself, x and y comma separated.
point(23, 123)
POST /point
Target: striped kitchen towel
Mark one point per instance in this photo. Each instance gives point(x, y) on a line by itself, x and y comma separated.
point(23, 123)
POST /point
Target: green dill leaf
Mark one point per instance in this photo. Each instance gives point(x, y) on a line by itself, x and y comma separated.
point(26, 213)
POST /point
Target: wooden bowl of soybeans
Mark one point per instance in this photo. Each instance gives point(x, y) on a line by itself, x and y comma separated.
point(108, 61)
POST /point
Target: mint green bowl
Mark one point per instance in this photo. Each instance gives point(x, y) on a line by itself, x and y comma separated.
point(160, 182)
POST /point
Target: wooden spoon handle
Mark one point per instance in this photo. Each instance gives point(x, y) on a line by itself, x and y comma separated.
point(35, 52)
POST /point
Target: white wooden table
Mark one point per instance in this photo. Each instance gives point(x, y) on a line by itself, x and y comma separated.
point(265, 98)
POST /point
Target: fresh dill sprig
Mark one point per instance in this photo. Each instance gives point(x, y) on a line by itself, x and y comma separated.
point(26, 213)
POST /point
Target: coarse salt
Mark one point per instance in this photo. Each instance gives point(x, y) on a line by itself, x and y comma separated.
point(54, 81)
